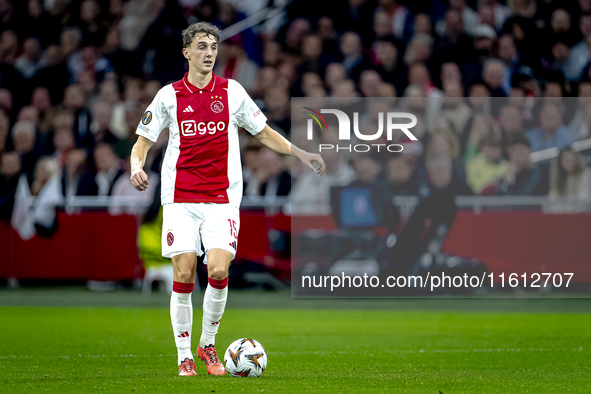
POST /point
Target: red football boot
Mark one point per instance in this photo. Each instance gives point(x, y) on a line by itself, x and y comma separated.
point(187, 368)
point(210, 357)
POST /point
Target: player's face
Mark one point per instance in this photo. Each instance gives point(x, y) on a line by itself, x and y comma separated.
point(202, 52)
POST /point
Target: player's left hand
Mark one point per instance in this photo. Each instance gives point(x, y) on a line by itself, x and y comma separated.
point(310, 158)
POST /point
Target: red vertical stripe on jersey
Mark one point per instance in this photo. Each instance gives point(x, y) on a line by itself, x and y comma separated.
point(202, 166)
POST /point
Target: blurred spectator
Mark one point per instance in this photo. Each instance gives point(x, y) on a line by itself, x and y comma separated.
point(313, 58)
point(367, 168)
point(479, 97)
point(8, 46)
point(63, 143)
point(386, 89)
point(450, 73)
point(101, 122)
point(552, 132)
point(30, 61)
point(521, 178)
point(511, 124)
point(274, 179)
point(507, 53)
point(420, 49)
point(479, 128)
point(369, 82)
point(422, 24)
point(311, 193)
point(443, 143)
point(382, 25)
point(10, 169)
point(24, 139)
point(109, 93)
point(77, 179)
point(310, 82)
point(499, 11)
point(45, 169)
point(122, 187)
point(90, 23)
point(74, 102)
point(69, 41)
point(29, 114)
point(133, 114)
point(149, 92)
point(493, 72)
point(390, 66)
point(488, 166)
point(352, 52)
point(399, 15)
point(453, 44)
point(582, 116)
point(107, 167)
point(266, 78)
point(345, 89)
point(250, 169)
point(6, 100)
point(41, 100)
point(402, 176)
point(4, 130)
point(455, 109)
point(469, 17)
point(47, 188)
point(569, 177)
point(88, 60)
point(335, 73)
point(579, 56)
point(277, 108)
point(233, 62)
point(55, 75)
point(418, 75)
point(298, 28)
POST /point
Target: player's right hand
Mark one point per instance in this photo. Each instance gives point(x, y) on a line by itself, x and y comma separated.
point(139, 180)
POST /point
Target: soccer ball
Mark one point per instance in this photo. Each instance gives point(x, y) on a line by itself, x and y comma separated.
point(246, 358)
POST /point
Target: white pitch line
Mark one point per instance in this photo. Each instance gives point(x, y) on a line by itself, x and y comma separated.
point(320, 352)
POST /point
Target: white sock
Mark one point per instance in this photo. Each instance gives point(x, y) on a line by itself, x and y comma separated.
point(181, 315)
point(214, 303)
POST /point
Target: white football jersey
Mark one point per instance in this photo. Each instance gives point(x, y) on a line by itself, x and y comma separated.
point(202, 161)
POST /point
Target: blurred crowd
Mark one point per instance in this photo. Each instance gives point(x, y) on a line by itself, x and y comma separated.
point(490, 82)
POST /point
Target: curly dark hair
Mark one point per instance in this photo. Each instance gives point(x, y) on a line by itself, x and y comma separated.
point(200, 27)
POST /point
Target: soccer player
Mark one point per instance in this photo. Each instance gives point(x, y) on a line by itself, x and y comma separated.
point(202, 183)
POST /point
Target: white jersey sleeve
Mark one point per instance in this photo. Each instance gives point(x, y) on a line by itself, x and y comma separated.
point(156, 117)
point(248, 114)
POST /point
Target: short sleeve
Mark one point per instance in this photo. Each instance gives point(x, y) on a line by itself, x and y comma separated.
point(155, 118)
point(248, 114)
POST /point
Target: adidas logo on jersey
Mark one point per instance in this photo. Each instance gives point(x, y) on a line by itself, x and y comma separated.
point(188, 109)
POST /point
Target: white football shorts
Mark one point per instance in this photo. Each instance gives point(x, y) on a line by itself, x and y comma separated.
point(186, 226)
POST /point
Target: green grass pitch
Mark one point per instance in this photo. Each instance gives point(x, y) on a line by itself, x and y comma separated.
point(399, 346)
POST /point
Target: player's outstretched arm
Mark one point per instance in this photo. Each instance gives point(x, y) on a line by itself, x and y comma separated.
point(139, 179)
point(275, 141)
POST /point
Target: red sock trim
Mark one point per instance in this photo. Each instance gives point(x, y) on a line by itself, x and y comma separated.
point(179, 287)
point(218, 283)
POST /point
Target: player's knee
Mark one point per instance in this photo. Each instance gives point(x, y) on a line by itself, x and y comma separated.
point(185, 276)
point(217, 273)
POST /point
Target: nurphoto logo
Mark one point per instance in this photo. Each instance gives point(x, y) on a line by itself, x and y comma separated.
point(344, 130)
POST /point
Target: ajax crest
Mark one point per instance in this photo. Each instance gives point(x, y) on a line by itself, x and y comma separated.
point(216, 106)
